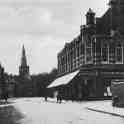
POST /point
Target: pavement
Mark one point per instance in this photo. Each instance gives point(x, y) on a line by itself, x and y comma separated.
point(37, 111)
point(106, 108)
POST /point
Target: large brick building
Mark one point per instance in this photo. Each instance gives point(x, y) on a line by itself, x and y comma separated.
point(89, 63)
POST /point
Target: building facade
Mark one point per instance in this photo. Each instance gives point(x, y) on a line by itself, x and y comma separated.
point(97, 52)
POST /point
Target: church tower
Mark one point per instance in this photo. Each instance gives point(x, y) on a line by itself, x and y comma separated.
point(23, 68)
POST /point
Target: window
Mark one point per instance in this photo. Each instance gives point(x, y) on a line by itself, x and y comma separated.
point(74, 52)
point(78, 52)
point(119, 53)
point(105, 53)
point(89, 56)
point(82, 49)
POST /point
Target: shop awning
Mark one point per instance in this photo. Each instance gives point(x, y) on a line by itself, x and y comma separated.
point(63, 80)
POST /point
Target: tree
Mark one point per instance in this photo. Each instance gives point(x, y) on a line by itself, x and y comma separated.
point(42, 80)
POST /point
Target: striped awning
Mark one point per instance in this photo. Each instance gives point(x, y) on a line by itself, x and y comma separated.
point(63, 80)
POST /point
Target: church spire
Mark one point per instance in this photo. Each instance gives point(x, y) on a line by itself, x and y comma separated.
point(24, 68)
point(23, 58)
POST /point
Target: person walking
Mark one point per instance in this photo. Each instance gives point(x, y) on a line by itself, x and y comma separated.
point(46, 98)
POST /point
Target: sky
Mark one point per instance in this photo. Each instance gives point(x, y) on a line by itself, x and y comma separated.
point(43, 26)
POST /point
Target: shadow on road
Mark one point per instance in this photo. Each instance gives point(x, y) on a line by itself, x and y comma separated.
point(9, 115)
point(50, 101)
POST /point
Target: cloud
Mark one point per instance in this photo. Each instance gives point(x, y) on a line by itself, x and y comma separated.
point(43, 26)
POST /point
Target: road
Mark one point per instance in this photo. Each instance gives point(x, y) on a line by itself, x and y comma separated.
point(37, 111)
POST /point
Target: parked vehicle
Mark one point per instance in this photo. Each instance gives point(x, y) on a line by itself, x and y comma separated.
point(117, 89)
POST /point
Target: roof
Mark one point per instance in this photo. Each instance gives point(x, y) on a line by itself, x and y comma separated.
point(63, 80)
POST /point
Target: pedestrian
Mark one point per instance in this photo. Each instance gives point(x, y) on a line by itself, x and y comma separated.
point(59, 98)
point(5, 96)
point(115, 100)
point(45, 98)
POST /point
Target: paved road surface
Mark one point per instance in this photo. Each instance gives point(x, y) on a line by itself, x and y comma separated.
point(37, 111)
